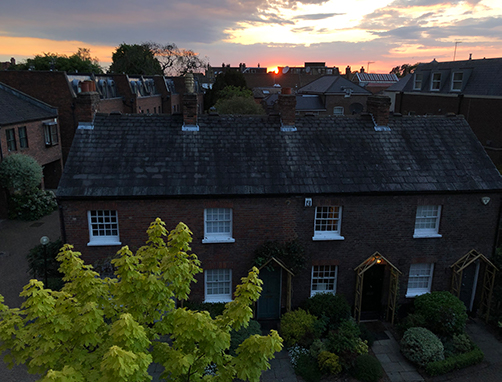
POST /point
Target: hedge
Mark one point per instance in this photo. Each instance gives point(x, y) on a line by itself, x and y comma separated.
point(458, 361)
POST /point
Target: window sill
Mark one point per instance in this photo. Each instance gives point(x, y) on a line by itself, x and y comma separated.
point(313, 293)
point(327, 237)
point(412, 294)
point(212, 240)
point(426, 235)
point(215, 300)
point(103, 243)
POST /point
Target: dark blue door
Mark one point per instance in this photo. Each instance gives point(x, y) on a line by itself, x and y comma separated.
point(269, 304)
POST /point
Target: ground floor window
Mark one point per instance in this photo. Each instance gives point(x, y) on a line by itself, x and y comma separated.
point(218, 285)
point(324, 279)
point(420, 279)
point(103, 227)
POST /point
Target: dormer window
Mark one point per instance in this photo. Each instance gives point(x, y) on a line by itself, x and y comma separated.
point(417, 85)
point(456, 82)
point(436, 82)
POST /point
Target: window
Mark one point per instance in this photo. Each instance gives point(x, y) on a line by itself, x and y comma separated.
point(327, 223)
point(23, 138)
point(11, 139)
point(323, 279)
point(456, 82)
point(51, 134)
point(427, 221)
point(218, 225)
point(417, 85)
point(103, 227)
point(338, 110)
point(218, 285)
point(420, 279)
point(436, 81)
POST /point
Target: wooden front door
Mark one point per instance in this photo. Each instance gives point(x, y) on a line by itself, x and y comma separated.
point(269, 303)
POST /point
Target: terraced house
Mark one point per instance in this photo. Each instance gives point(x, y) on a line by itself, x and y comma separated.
point(383, 205)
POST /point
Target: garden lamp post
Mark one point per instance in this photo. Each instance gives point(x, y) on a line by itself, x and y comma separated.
point(44, 240)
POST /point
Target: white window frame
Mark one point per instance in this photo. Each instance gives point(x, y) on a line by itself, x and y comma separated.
point(325, 273)
point(420, 273)
point(417, 83)
point(457, 81)
point(103, 220)
point(338, 110)
point(436, 82)
point(226, 274)
point(51, 134)
point(327, 223)
point(209, 219)
point(427, 213)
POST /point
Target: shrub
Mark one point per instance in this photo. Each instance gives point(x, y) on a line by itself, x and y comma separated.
point(421, 346)
point(412, 320)
point(317, 347)
point(444, 314)
point(457, 361)
point(307, 368)
point(329, 363)
point(367, 368)
point(37, 261)
point(238, 336)
point(31, 205)
point(366, 334)
point(346, 343)
point(20, 172)
point(299, 327)
point(458, 344)
point(334, 306)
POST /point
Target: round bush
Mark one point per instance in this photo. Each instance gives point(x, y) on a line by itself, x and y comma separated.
point(367, 368)
point(329, 363)
point(444, 314)
point(421, 346)
point(20, 172)
point(298, 327)
point(333, 306)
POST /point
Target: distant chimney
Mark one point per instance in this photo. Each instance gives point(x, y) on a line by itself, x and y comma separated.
point(362, 69)
point(287, 109)
point(190, 106)
point(347, 72)
point(86, 103)
point(378, 107)
point(470, 56)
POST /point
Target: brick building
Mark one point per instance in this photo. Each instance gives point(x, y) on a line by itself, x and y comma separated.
point(381, 204)
point(472, 88)
point(30, 127)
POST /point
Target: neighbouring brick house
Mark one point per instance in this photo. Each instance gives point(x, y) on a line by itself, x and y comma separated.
point(380, 204)
point(472, 88)
point(29, 126)
point(79, 96)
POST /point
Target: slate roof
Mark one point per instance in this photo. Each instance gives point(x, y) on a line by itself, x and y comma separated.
point(17, 107)
point(332, 85)
point(149, 155)
point(481, 77)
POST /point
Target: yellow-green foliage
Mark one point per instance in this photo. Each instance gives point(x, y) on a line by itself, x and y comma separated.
point(329, 363)
point(297, 324)
point(111, 329)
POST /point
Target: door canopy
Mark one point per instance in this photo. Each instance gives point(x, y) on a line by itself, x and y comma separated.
point(377, 258)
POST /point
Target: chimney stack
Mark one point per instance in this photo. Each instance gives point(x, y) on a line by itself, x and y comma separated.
point(378, 107)
point(287, 109)
point(87, 101)
point(190, 106)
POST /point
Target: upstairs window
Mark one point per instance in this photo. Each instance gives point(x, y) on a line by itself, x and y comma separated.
point(427, 221)
point(218, 225)
point(420, 279)
point(51, 134)
point(323, 279)
point(23, 138)
point(327, 223)
point(436, 81)
point(103, 227)
point(456, 81)
point(11, 139)
point(338, 110)
point(218, 285)
point(417, 84)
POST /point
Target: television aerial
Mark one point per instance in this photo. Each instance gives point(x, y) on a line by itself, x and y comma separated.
point(285, 70)
point(307, 69)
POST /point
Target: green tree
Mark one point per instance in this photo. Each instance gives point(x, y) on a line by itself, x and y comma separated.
point(80, 62)
point(112, 329)
point(403, 70)
point(228, 78)
point(237, 100)
point(20, 173)
point(135, 59)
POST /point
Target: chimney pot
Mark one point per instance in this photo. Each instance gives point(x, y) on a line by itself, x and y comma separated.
point(378, 107)
point(287, 109)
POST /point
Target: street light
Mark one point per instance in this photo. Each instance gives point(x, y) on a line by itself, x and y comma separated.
point(44, 240)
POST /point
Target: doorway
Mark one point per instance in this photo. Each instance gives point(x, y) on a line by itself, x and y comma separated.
point(269, 303)
point(371, 300)
point(469, 283)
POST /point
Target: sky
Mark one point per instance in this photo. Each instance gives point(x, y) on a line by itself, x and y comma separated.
point(380, 34)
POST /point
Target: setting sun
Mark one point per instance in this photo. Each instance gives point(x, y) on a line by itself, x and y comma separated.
point(273, 69)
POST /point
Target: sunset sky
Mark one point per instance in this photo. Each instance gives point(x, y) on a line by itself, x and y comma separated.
point(385, 33)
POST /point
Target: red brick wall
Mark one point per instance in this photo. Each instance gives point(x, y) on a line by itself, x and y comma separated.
point(332, 101)
point(150, 104)
point(369, 224)
point(112, 105)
